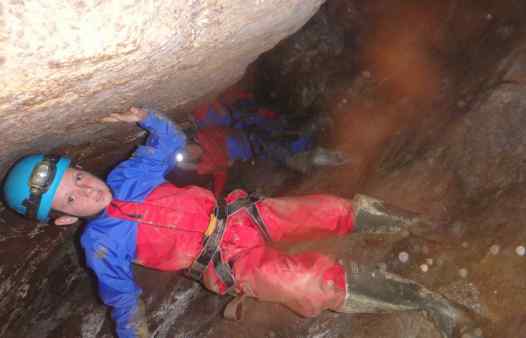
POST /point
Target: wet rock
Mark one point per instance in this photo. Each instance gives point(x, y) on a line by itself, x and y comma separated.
point(498, 121)
point(425, 249)
point(301, 65)
point(494, 249)
point(457, 229)
point(465, 293)
point(505, 32)
point(424, 268)
point(60, 301)
point(180, 308)
point(366, 74)
point(382, 267)
point(97, 57)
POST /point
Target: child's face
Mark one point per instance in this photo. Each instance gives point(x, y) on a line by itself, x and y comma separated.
point(81, 194)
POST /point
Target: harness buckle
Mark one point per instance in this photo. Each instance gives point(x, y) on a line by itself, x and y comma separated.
point(210, 253)
point(211, 225)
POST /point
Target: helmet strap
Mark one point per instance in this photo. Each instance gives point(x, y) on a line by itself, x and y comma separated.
point(32, 204)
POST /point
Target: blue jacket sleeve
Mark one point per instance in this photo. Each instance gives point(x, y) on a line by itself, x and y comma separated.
point(116, 285)
point(163, 141)
point(150, 162)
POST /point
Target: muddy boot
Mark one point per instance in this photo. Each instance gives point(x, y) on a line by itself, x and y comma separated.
point(374, 216)
point(319, 157)
point(373, 291)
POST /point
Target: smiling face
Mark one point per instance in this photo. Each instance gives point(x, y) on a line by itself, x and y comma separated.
point(81, 194)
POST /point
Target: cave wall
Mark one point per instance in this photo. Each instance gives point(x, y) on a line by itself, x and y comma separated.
point(462, 142)
point(64, 64)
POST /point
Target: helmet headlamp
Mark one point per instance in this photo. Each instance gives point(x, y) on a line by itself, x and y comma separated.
point(185, 160)
point(179, 157)
point(40, 180)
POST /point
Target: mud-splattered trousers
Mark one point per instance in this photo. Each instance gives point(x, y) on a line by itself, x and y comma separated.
point(158, 225)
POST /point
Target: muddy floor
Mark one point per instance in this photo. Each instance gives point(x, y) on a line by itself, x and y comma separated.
point(429, 101)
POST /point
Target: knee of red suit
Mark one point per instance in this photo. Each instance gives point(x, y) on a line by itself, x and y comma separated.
point(307, 283)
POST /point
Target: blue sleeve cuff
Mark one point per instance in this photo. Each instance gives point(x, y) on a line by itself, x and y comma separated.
point(164, 135)
point(150, 119)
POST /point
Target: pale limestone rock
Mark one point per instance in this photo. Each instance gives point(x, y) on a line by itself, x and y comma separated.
point(63, 64)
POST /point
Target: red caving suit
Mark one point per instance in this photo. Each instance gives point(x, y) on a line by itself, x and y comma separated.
point(161, 226)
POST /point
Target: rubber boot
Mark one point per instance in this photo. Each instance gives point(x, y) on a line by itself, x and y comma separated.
point(318, 157)
point(370, 290)
point(375, 216)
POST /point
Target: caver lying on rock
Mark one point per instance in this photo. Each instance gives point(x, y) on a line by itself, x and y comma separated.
point(137, 217)
point(236, 128)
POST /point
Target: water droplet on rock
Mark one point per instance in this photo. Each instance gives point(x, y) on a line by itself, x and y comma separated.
point(463, 272)
point(494, 249)
point(366, 74)
point(403, 257)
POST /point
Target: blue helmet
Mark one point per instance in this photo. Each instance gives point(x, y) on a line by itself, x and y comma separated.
point(32, 182)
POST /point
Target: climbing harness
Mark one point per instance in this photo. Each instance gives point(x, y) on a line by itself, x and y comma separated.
point(214, 235)
point(249, 203)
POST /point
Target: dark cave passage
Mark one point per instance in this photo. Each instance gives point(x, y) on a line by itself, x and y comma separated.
point(427, 100)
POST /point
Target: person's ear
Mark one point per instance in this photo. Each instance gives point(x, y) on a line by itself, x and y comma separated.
point(66, 220)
